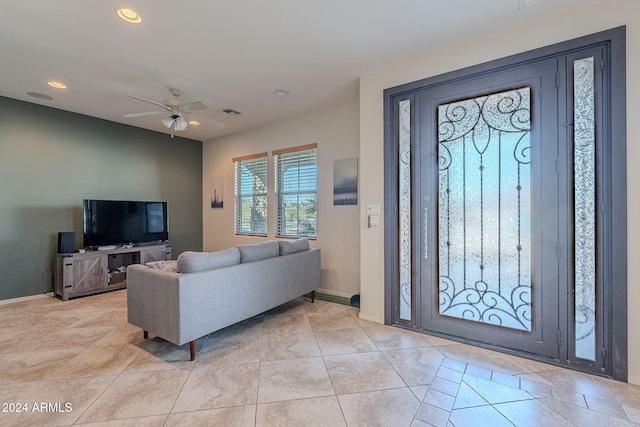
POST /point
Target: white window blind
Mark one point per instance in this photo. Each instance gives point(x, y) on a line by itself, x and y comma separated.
point(296, 191)
point(251, 194)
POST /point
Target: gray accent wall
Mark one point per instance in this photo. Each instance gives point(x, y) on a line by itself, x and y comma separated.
point(50, 160)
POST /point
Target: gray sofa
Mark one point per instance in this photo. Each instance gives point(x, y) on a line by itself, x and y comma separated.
point(202, 292)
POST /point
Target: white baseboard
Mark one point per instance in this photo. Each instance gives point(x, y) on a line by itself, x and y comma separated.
point(633, 379)
point(27, 298)
point(370, 319)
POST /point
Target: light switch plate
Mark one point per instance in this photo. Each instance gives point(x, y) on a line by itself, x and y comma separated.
point(373, 209)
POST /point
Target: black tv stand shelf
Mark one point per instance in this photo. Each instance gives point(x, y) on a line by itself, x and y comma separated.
point(92, 272)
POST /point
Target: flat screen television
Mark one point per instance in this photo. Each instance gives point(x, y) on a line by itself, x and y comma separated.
point(117, 222)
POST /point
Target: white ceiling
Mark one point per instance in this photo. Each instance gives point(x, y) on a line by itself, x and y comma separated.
point(230, 54)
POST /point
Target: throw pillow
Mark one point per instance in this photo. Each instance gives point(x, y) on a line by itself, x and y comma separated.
point(292, 246)
point(191, 262)
point(171, 266)
point(258, 251)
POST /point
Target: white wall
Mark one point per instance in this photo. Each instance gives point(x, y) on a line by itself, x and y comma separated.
point(336, 133)
point(605, 15)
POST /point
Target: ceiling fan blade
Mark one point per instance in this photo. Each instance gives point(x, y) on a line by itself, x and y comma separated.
point(194, 106)
point(210, 121)
point(149, 113)
point(150, 102)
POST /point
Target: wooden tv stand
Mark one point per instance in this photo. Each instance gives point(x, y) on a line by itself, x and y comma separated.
point(93, 272)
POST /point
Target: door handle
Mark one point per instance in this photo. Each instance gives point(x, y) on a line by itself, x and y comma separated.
point(425, 225)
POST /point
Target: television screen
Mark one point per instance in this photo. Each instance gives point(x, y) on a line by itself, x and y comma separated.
point(115, 222)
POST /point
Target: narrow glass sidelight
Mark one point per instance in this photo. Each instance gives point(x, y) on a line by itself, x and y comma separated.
point(404, 208)
point(484, 219)
point(585, 207)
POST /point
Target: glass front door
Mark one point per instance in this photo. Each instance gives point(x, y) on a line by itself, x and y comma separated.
point(484, 209)
point(485, 179)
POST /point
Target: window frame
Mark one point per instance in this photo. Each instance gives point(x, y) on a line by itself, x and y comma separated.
point(238, 163)
point(294, 154)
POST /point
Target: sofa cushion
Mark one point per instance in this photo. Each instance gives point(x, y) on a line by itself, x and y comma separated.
point(292, 246)
point(171, 266)
point(258, 251)
point(191, 262)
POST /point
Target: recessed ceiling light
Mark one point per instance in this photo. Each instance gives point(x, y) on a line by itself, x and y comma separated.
point(130, 16)
point(194, 122)
point(57, 85)
point(281, 92)
point(40, 96)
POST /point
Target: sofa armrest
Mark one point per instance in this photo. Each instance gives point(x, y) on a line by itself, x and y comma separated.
point(153, 301)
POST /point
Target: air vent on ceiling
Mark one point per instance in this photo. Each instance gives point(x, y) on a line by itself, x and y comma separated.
point(528, 3)
point(40, 96)
point(231, 112)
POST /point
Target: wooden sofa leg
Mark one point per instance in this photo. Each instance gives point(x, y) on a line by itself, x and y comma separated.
point(145, 334)
point(192, 350)
point(313, 296)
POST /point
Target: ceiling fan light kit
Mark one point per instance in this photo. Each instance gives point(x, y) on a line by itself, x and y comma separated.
point(180, 123)
point(168, 122)
point(176, 123)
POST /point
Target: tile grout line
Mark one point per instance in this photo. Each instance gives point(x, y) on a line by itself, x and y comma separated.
point(198, 353)
point(255, 408)
point(324, 361)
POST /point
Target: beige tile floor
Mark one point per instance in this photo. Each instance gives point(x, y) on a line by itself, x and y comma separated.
point(302, 364)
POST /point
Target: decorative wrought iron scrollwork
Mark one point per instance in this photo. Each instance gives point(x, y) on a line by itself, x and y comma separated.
point(484, 231)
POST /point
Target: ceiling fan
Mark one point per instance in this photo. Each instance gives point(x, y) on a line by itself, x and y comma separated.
point(179, 112)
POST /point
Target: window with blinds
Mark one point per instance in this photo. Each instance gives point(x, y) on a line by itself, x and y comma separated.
point(296, 191)
point(250, 193)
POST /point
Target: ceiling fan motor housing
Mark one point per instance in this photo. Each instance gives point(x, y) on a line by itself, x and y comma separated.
point(173, 103)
